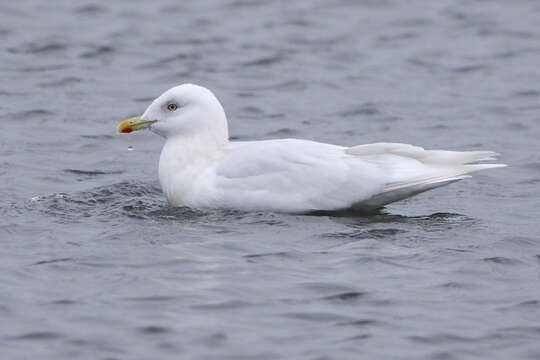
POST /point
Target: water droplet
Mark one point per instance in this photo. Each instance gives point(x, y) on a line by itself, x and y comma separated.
point(130, 148)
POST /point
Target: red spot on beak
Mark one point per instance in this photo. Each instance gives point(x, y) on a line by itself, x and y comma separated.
point(127, 130)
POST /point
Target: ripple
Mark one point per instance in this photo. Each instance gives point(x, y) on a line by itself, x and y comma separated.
point(223, 305)
point(440, 339)
point(517, 126)
point(273, 254)
point(359, 323)
point(91, 9)
point(179, 57)
point(300, 22)
point(99, 137)
point(283, 132)
point(532, 166)
point(212, 40)
point(152, 298)
point(52, 261)
point(64, 302)
point(355, 234)
point(365, 109)
point(527, 93)
point(358, 337)
point(180, 212)
point(93, 172)
point(38, 336)
point(502, 260)
point(384, 233)
point(253, 112)
point(365, 234)
point(250, 112)
point(237, 4)
point(328, 287)
point(43, 68)
point(144, 99)
point(5, 32)
point(346, 297)
point(29, 114)
point(523, 306)
point(318, 316)
point(10, 93)
point(292, 85)
point(130, 199)
point(245, 94)
point(38, 48)
point(396, 37)
point(154, 330)
point(70, 80)
point(425, 64)
point(97, 51)
point(264, 61)
point(531, 330)
point(437, 127)
point(533, 303)
point(457, 285)
point(471, 68)
point(214, 340)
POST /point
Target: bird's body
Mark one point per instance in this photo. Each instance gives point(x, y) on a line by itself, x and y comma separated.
point(199, 167)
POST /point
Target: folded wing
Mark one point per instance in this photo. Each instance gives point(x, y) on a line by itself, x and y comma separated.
point(302, 176)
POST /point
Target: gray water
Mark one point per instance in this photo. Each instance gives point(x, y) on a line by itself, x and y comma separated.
point(95, 265)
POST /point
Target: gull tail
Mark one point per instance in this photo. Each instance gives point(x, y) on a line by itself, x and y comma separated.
point(414, 170)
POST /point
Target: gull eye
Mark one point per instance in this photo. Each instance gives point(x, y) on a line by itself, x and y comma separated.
point(172, 107)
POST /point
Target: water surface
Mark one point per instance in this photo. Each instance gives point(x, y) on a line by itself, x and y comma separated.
point(95, 265)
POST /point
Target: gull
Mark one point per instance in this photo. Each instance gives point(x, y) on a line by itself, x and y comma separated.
point(200, 167)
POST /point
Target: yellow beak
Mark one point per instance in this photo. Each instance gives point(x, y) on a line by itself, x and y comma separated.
point(133, 124)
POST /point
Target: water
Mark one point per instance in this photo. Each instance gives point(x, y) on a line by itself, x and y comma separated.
point(95, 265)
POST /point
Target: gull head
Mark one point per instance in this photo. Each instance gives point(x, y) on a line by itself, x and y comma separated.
point(184, 110)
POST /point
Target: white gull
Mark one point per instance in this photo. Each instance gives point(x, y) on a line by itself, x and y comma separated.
point(200, 167)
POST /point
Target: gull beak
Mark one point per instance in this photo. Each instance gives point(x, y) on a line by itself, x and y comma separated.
point(133, 124)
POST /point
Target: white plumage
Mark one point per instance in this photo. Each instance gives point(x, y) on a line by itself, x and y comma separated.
point(199, 167)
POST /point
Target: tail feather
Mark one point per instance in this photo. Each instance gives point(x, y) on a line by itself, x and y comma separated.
point(416, 170)
point(457, 173)
point(426, 156)
point(478, 167)
point(399, 193)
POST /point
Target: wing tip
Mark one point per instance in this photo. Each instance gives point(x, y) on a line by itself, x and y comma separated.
point(477, 167)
